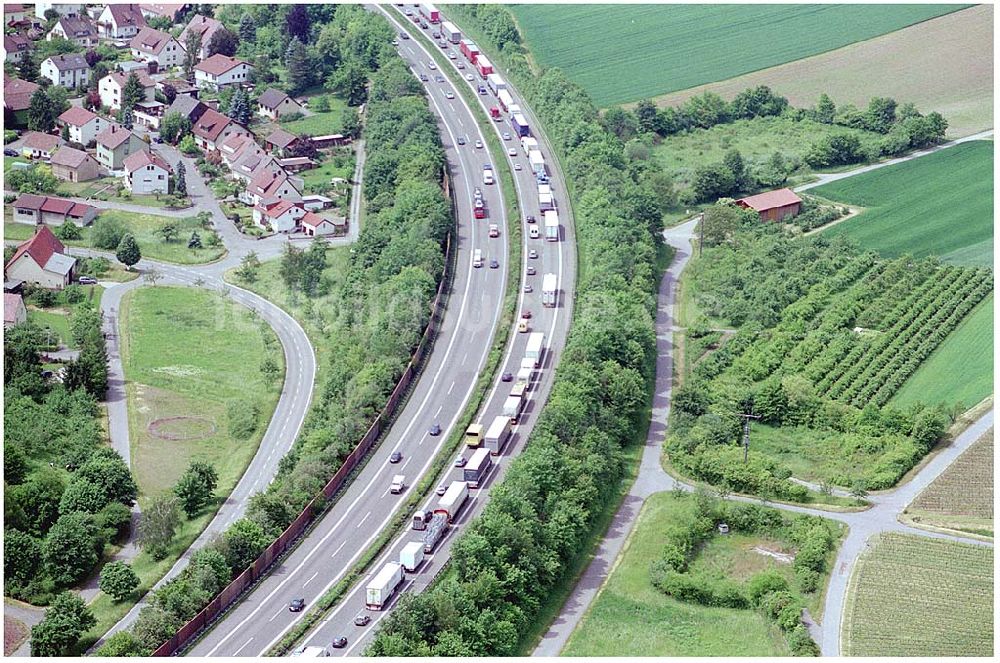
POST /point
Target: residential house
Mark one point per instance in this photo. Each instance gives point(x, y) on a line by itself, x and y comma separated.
point(213, 128)
point(16, 99)
point(280, 216)
point(181, 87)
point(36, 145)
point(63, 9)
point(72, 165)
point(219, 71)
point(171, 11)
point(776, 205)
point(78, 29)
point(271, 184)
point(149, 114)
point(83, 124)
point(156, 46)
point(274, 103)
point(15, 47)
point(205, 26)
point(111, 86)
point(42, 260)
point(114, 144)
point(188, 107)
point(281, 142)
point(14, 312)
point(29, 208)
point(146, 172)
point(15, 13)
point(315, 225)
point(68, 70)
point(120, 21)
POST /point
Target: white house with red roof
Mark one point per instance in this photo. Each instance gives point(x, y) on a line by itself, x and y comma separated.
point(36, 145)
point(111, 86)
point(172, 11)
point(220, 71)
point(270, 184)
point(78, 29)
point(205, 26)
point(146, 173)
point(41, 260)
point(315, 225)
point(84, 125)
point(278, 215)
point(120, 21)
point(213, 128)
point(155, 46)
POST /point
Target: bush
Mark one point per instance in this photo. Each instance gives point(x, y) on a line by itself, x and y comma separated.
point(107, 233)
point(118, 580)
point(242, 415)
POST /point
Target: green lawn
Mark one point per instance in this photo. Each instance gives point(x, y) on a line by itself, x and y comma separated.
point(940, 204)
point(914, 596)
point(320, 124)
point(961, 369)
point(630, 617)
point(319, 178)
point(57, 318)
point(623, 53)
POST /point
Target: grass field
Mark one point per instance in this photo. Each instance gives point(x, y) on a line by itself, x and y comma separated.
point(627, 52)
point(166, 379)
point(962, 497)
point(913, 596)
point(630, 617)
point(940, 204)
point(320, 124)
point(937, 64)
point(961, 370)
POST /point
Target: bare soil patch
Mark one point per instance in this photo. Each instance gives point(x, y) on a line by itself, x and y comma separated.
point(14, 633)
point(181, 428)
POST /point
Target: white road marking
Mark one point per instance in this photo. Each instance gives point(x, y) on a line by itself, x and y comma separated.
point(311, 578)
point(244, 645)
point(451, 387)
point(339, 548)
point(363, 520)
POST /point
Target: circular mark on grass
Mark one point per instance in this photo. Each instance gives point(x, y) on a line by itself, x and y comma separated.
point(181, 428)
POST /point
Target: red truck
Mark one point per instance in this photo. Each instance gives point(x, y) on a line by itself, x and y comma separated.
point(484, 65)
point(469, 50)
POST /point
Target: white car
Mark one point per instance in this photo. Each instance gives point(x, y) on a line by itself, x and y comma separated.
point(432, 66)
point(479, 144)
point(469, 77)
point(511, 151)
point(449, 95)
point(517, 166)
point(506, 136)
point(452, 56)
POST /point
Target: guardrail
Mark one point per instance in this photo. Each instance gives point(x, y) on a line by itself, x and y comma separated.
point(235, 589)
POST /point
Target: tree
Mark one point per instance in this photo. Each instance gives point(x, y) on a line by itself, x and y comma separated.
point(270, 370)
point(192, 53)
point(713, 181)
point(67, 618)
point(195, 487)
point(97, 72)
point(224, 41)
point(128, 252)
point(152, 276)
point(154, 626)
point(59, 96)
point(168, 231)
point(620, 122)
point(107, 232)
point(133, 92)
point(243, 542)
point(248, 28)
point(27, 69)
point(195, 240)
point(350, 123)
point(881, 114)
point(188, 146)
point(826, 110)
point(70, 549)
point(64, 133)
point(174, 127)
point(350, 81)
point(720, 222)
point(68, 230)
point(121, 644)
point(734, 162)
point(41, 113)
point(118, 580)
point(859, 489)
point(239, 107)
point(291, 266)
point(180, 179)
point(169, 93)
point(159, 521)
point(297, 23)
point(249, 267)
point(645, 115)
point(22, 556)
point(300, 68)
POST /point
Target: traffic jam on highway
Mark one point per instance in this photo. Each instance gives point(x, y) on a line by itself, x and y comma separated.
point(414, 558)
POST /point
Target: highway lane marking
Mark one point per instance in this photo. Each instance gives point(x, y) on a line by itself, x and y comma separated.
point(441, 406)
point(451, 387)
point(280, 610)
point(403, 466)
point(363, 520)
point(339, 548)
point(311, 578)
point(244, 645)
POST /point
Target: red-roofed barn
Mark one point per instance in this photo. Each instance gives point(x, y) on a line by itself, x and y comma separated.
point(776, 205)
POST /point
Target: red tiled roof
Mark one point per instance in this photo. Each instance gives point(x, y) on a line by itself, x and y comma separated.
point(314, 220)
point(17, 93)
point(121, 78)
point(70, 62)
point(39, 141)
point(77, 116)
point(219, 64)
point(281, 138)
point(113, 136)
point(127, 15)
point(149, 40)
point(205, 26)
point(275, 210)
point(211, 124)
point(137, 160)
point(40, 247)
point(163, 9)
point(770, 200)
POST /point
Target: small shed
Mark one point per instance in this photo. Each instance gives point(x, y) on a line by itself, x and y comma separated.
point(776, 205)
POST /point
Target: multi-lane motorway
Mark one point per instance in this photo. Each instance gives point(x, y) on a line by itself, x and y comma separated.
point(438, 397)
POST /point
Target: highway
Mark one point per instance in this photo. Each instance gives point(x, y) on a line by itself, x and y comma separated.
point(438, 397)
point(555, 257)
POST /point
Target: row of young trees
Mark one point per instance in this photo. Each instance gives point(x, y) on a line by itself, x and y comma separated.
point(510, 558)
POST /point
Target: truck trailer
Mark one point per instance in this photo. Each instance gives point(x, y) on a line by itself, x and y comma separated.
point(411, 555)
point(525, 375)
point(383, 585)
point(497, 435)
point(433, 531)
point(551, 225)
point(484, 66)
point(505, 100)
point(430, 12)
point(512, 408)
point(550, 294)
point(478, 467)
point(469, 50)
point(520, 125)
point(536, 341)
point(537, 162)
point(451, 502)
point(496, 83)
point(546, 202)
point(529, 143)
point(450, 32)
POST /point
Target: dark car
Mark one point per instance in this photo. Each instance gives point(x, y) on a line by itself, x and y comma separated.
point(395, 457)
point(442, 489)
point(526, 314)
point(157, 140)
point(10, 153)
point(461, 140)
point(339, 643)
point(507, 377)
point(530, 219)
point(87, 280)
point(494, 264)
point(424, 77)
point(435, 430)
point(362, 619)
point(296, 605)
point(460, 461)
point(531, 270)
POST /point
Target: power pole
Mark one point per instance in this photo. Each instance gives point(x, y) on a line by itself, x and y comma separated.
point(746, 434)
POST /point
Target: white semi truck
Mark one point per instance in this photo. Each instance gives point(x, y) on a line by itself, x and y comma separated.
point(550, 294)
point(551, 225)
point(497, 435)
point(383, 585)
point(536, 343)
point(412, 555)
point(452, 500)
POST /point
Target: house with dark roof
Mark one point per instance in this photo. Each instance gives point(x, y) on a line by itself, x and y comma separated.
point(114, 144)
point(69, 70)
point(181, 87)
point(36, 145)
point(33, 209)
point(219, 71)
point(78, 29)
point(14, 312)
point(274, 103)
point(205, 26)
point(72, 165)
point(146, 173)
point(156, 46)
point(281, 142)
point(110, 88)
point(15, 47)
point(213, 128)
point(120, 21)
point(83, 124)
point(16, 99)
point(776, 205)
point(41, 260)
point(188, 107)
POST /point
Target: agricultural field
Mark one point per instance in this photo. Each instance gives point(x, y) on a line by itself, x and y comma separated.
point(962, 497)
point(961, 370)
point(914, 596)
point(625, 53)
point(940, 204)
point(937, 64)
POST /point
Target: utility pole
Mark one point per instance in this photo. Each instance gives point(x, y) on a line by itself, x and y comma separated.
point(746, 434)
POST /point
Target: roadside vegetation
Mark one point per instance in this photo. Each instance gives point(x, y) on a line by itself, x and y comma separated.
point(961, 499)
point(624, 53)
point(940, 204)
point(914, 596)
point(682, 588)
point(825, 336)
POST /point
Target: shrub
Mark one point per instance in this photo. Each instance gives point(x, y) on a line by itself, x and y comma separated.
point(107, 233)
point(242, 415)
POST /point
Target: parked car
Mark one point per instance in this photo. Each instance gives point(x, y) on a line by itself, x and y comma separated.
point(8, 152)
point(87, 280)
point(460, 461)
point(362, 619)
point(435, 430)
point(395, 457)
point(339, 643)
point(297, 605)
